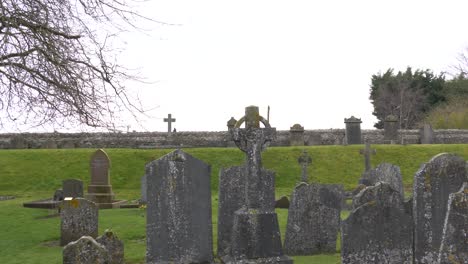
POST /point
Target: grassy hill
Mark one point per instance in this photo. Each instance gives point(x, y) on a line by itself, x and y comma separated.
point(30, 236)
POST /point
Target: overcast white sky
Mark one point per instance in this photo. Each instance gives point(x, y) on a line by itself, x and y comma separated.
point(310, 61)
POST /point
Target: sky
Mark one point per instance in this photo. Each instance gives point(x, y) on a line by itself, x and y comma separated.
point(310, 61)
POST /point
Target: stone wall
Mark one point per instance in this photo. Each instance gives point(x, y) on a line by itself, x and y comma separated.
point(207, 139)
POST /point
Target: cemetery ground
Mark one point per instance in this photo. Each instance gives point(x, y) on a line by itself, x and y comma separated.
point(32, 235)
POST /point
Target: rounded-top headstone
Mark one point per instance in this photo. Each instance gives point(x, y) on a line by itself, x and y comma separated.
point(100, 164)
point(297, 128)
point(85, 251)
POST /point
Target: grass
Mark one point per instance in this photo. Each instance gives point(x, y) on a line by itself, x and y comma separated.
point(31, 235)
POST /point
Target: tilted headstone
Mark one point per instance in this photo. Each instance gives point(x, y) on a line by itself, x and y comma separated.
point(391, 129)
point(388, 173)
point(58, 195)
point(296, 135)
point(442, 175)
point(232, 183)
point(313, 220)
point(85, 251)
point(100, 189)
point(255, 234)
point(353, 130)
point(378, 230)
point(304, 160)
point(178, 223)
point(454, 245)
point(427, 134)
point(79, 217)
point(144, 187)
point(72, 188)
point(114, 247)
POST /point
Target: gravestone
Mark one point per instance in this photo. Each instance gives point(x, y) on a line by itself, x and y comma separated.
point(169, 121)
point(427, 134)
point(454, 245)
point(114, 247)
point(178, 219)
point(144, 187)
point(72, 188)
point(232, 183)
point(388, 173)
point(255, 236)
point(442, 175)
point(231, 123)
point(100, 189)
point(313, 220)
point(282, 202)
point(391, 129)
point(353, 130)
point(378, 230)
point(304, 160)
point(367, 151)
point(79, 217)
point(296, 135)
point(85, 251)
point(58, 195)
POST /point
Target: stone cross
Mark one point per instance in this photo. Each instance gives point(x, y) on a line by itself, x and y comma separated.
point(169, 121)
point(304, 160)
point(253, 140)
point(367, 152)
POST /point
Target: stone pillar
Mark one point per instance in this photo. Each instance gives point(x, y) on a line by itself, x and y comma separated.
point(353, 130)
point(296, 135)
point(426, 134)
point(391, 129)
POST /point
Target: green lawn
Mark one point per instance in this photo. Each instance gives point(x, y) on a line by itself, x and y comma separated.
point(31, 235)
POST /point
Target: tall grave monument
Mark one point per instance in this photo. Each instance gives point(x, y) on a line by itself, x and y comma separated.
point(353, 130)
point(255, 236)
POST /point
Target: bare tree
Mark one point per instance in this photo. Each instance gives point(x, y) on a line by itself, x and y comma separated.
point(57, 67)
point(461, 67)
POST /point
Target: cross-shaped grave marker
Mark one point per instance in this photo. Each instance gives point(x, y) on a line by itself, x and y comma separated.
point(169, 121)
point(304, 160)
point(367, 151)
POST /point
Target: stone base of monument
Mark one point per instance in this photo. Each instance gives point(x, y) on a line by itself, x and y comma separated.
point(103, 196)
point(256, 238)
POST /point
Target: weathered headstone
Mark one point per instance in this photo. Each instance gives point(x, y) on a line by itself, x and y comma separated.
point(313, 220)
point(282, 202)
point(85, 251)
point(114, 247)
point(391, 129)
point(296, 135)
point(100, 189)
point(58, 195)
point(388, 173)
point(427, 134)
point(79, 217)
point(353, 130)
point(255, 234)
point(454, 245)
point(178, 220)
point(144, 188)
point(232, 184)
point(169, 121)
point(378, 230)
point(442, 175)
point(304, 160)
point(72, 188)
point(231, 123)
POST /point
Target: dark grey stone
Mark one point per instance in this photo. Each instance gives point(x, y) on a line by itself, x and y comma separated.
point(378, 230)
point(367, 151)
point(353, 130)
point(58, 195)
point(114, 247)
point(144, 187)
point(427, 134)
point(388, 173)
point(454, 245)
point(178, 225)
point(100, 189)
point(72, 188)
point(232, 184)
point(282, 202)
point(442, 175)
point(255, 236)
point(391, 129)
point(313, 219)
point(304, 160)
point(296, 135)
point(169, 121)
point(85, 251)
point(79, 217)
